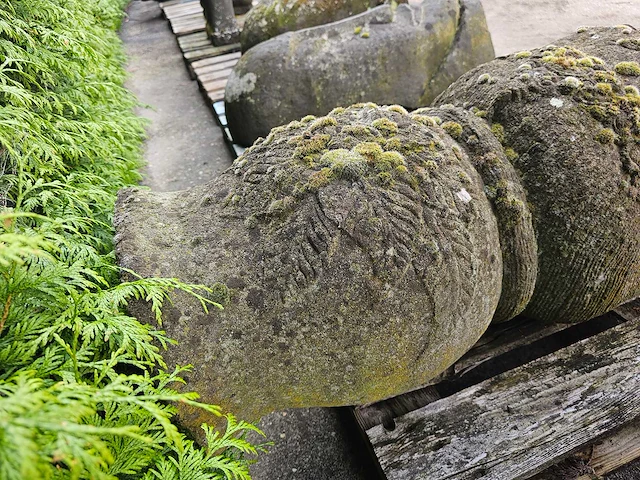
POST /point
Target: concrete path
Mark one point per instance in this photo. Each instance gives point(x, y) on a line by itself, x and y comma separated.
point(185, 146)
point(517, 25)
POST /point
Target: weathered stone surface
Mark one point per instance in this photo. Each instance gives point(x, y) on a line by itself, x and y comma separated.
point(404, 55)
point(356, 255)
point(270, 18)
point(312, 443)
point(221, 21)
point(570, 124)
point(361, 253)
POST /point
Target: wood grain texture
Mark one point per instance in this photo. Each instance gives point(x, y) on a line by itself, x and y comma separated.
point(206, 62)
point(516, 424)
point(503, 347)
point(617, 450)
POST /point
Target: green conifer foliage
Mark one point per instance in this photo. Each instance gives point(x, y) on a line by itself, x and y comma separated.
point(84, 392)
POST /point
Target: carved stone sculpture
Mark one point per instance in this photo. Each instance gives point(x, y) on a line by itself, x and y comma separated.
point(405, 55)
point(270, 18)
point(359, 254)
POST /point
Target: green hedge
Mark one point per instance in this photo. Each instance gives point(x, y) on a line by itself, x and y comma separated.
point(83, 393)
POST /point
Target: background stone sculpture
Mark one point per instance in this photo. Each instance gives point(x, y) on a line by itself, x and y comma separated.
point(405, 55)
point(361, 253)
point(270, 18)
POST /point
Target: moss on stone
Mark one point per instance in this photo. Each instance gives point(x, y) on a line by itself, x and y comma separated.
point(484, 78)
point(385, 178)
point(370, 150)
point(431, 165)
point(605, 76)
point(523, 54)
point(586, 62)
point(386, 126)
point(628, 68)
point(454, 129)
point(498, 132)
point(344, 163)
point(571, 82)
point(464, 178)
point(424, 119)
point(319, 179)
point(357, 30)
point(398, 109)
point(322, 122)
point(630, 43)
point(219, 293)
point(631, 90)
point(598, 112)
point(606, 136)
point(357, 130)
point(315, 144)
point(604, 88)
point(511, 154)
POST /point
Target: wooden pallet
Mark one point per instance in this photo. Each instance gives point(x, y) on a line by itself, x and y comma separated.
point(527, 401)
point(185, 16)
point(209, 65)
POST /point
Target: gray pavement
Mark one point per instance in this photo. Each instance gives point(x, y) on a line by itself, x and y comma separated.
point(185, 146)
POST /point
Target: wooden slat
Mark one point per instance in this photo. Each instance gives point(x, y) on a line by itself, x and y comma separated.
point(224, 61)
point(191, 18)
point(215, 95)
point(171, 3)
point(215, 85)
point(615, 451)
point(183, 9)
point(605, 456)
point(503, 347)
point(234, 49)
point(516, 424)
point(214, 76)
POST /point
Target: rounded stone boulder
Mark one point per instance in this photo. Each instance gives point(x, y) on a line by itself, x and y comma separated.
point(568, 118)
point(390, 54)
point(356, 256)
point(270, 18)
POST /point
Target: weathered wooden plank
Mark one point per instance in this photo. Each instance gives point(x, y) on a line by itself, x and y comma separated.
point(205, 62)
point(214, 76)
point(514, 425)
point(214, 85)
point(187, 21)
point(615, 451)
point(605, 456)
point(193, 41)
point(503, 347)
point(230, 62)
point(215, 95)
point(203, 53)
point(171, 3)
point(182, 10)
